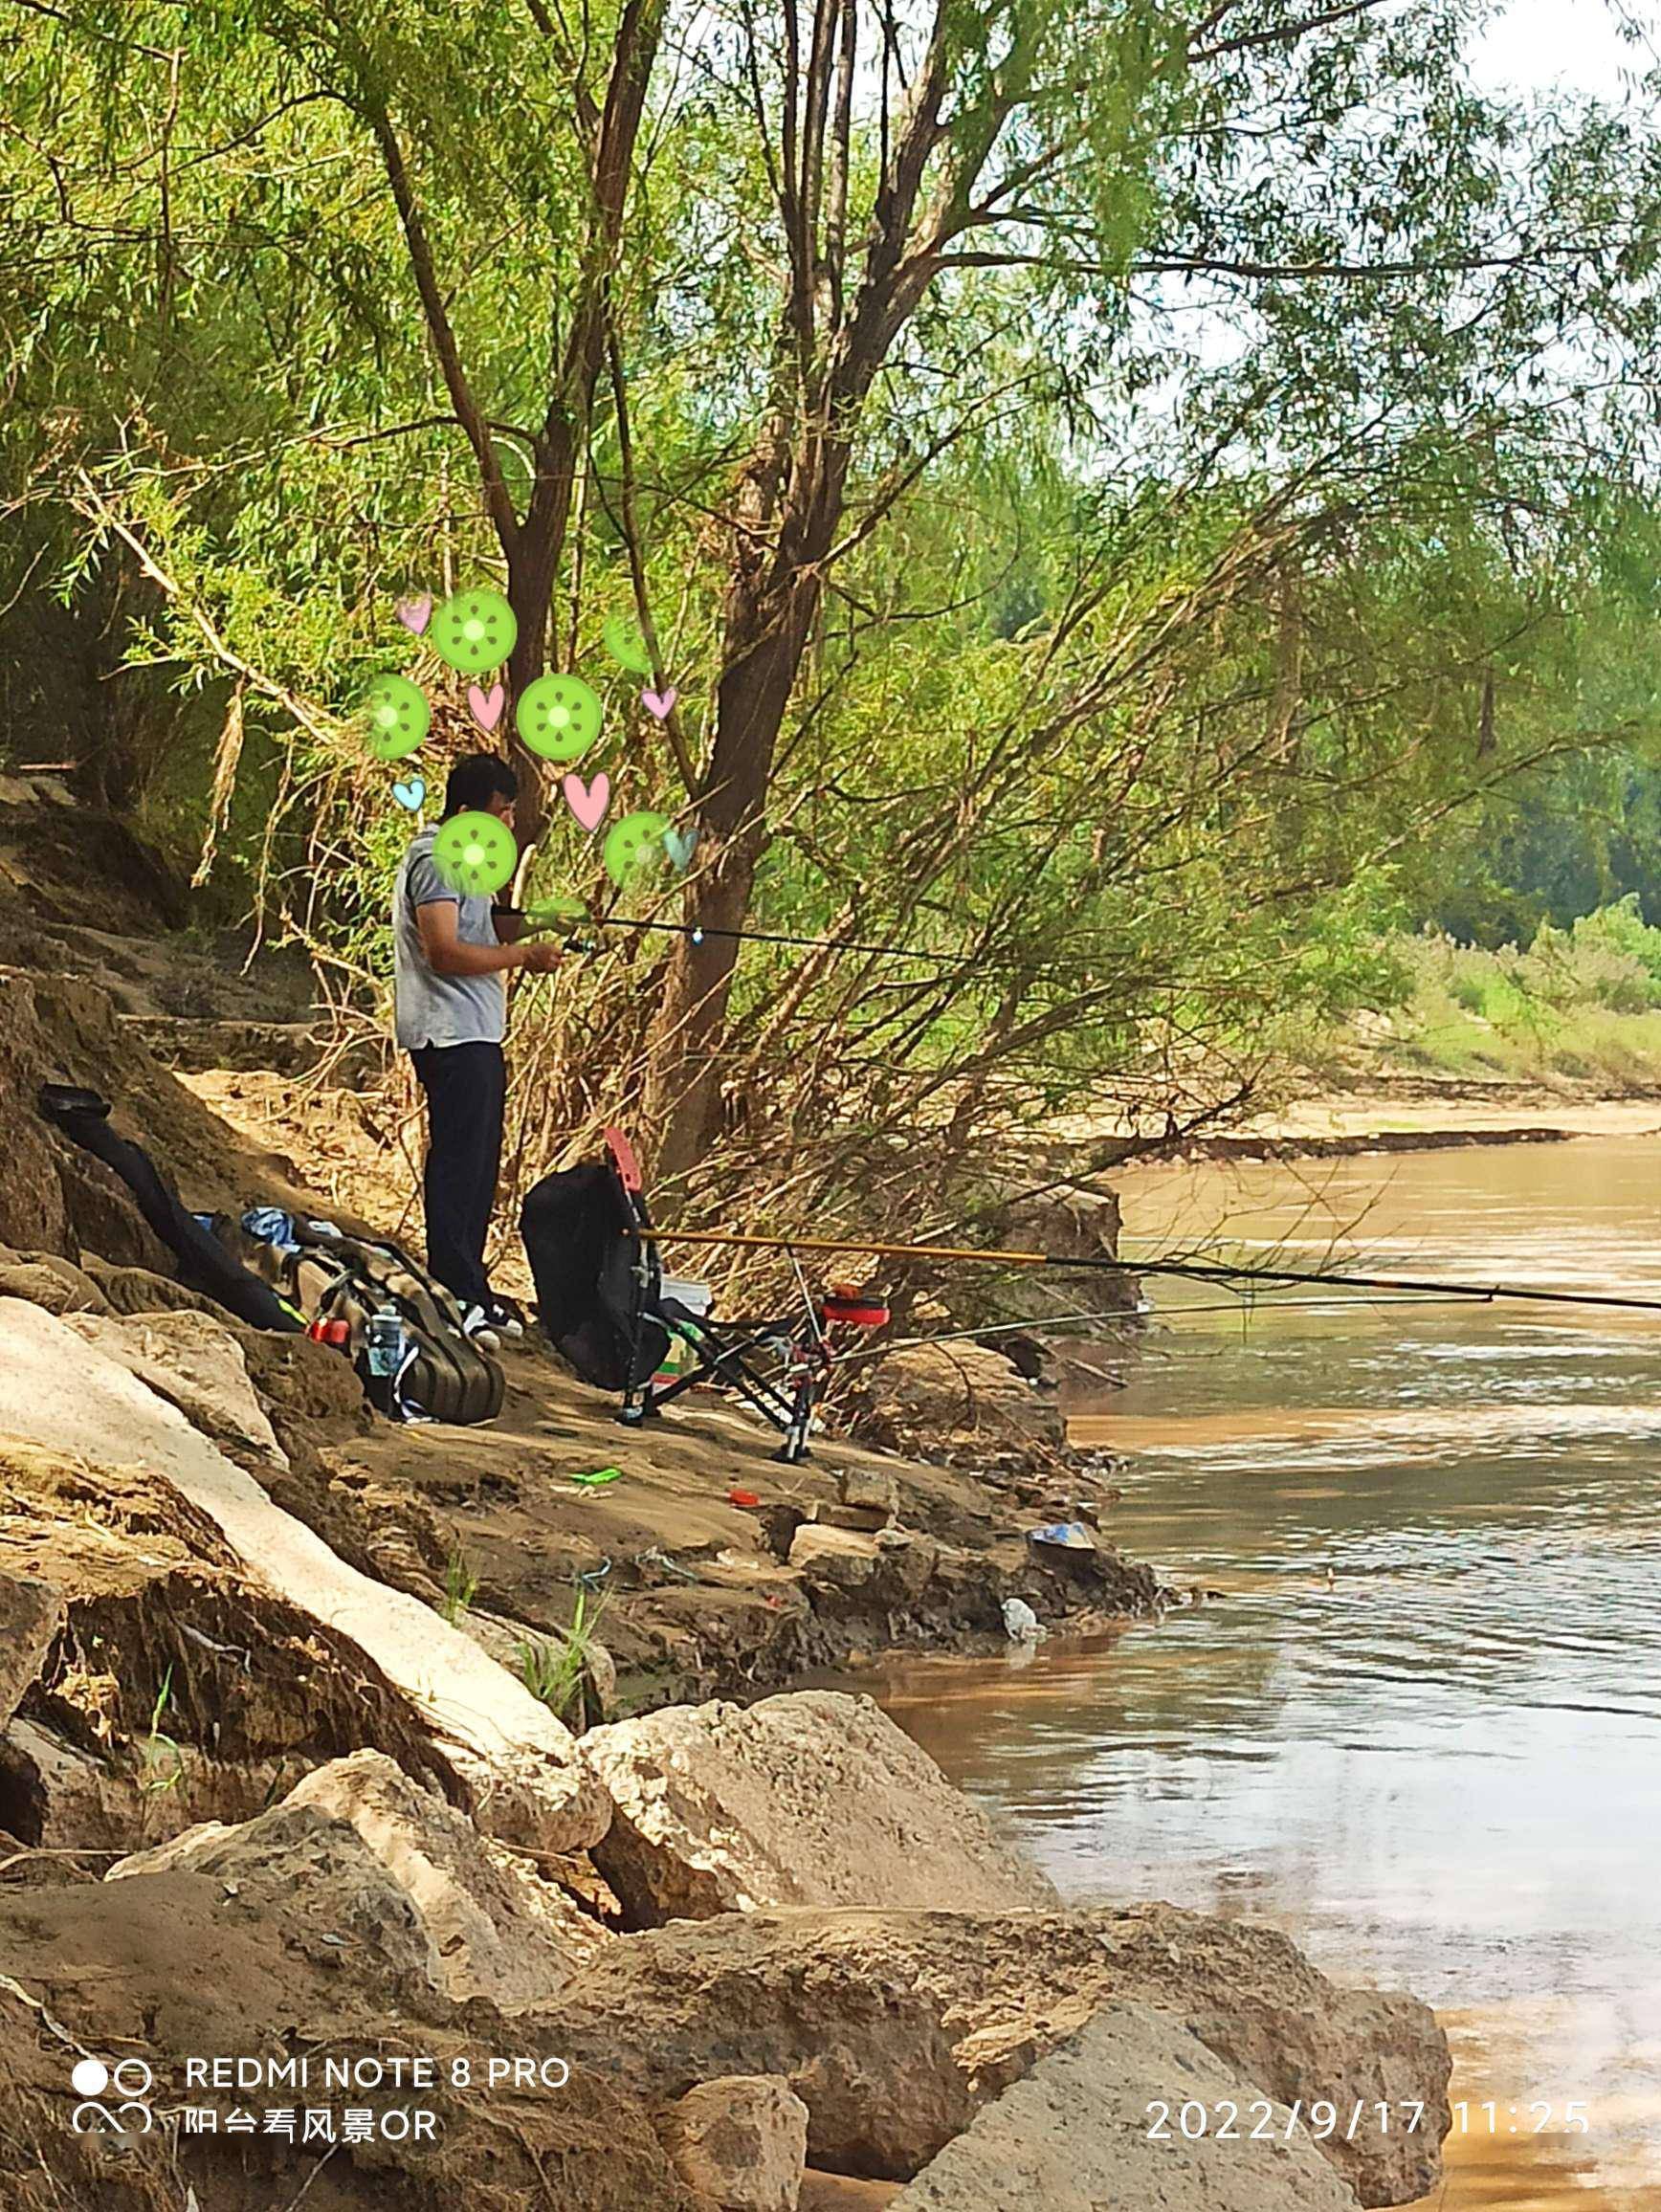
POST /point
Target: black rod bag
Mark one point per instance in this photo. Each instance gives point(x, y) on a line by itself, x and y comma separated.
point(205, 1265)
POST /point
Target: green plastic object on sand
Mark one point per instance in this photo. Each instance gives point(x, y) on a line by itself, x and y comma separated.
point(598, 1478)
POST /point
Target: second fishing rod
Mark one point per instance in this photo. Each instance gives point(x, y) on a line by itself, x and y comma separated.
point(1224, 1273)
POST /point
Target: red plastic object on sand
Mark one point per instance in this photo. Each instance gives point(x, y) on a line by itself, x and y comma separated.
point(854, 1308)
point(742, 1498)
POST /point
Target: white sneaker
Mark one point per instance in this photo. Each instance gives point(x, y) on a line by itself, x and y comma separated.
point(477, 1324)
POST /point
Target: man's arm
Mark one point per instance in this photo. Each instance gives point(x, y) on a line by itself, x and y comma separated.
point(449, 955)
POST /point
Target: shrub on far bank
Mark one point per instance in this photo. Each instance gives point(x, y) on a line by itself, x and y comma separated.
point(1583, 1002)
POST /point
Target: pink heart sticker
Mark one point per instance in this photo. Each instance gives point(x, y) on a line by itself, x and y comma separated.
point(660, 705)
point(415, 613)
point(487, 705)
point(589, 801)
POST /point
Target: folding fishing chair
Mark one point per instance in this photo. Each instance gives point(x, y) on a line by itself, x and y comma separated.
point(604, 1304)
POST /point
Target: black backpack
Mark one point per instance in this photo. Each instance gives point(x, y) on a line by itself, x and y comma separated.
point(205, 1264)
point(594, 1309)
point(445, 1374)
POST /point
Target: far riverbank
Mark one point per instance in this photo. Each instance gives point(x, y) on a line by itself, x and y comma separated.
point(1424, 1113)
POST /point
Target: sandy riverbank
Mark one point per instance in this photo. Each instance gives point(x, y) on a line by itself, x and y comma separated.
point(1452, 1111)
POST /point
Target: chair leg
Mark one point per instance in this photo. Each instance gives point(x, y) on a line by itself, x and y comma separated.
point(795, 1449)
point(636, 1407)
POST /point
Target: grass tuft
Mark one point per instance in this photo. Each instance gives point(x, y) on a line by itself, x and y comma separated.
point(460, 1587)
point(555, 1670)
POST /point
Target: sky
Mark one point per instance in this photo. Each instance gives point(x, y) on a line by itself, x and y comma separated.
point(1537, 45)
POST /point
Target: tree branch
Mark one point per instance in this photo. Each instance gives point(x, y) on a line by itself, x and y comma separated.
point(1280, 33)
point(499, 501)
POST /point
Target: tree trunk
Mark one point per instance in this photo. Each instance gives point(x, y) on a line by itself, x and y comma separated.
point(532, 564)
point(765, 638)
point(773, 599)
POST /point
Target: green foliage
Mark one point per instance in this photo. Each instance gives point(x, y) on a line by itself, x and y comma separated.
point(1621, 935)
point(1555, 845)
point(1258, 491)
point(1585, 1002)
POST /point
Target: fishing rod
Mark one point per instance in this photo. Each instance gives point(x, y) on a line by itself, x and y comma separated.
point(1193, 1270)
point(558, 915)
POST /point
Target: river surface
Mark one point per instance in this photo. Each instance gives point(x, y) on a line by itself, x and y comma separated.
point(1421, 1729)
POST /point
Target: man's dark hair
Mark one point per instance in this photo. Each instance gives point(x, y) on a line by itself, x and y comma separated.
point(476, 779)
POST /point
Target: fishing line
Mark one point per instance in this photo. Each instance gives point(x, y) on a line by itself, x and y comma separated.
point(1123, 1315)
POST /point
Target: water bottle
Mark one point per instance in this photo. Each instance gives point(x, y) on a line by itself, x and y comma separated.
point(383, 1343)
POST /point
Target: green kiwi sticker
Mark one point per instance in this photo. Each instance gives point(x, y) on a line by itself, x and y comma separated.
point(634, 847)
point(475, 854)
point(474, 631)
point(626, 645)
point(553, 913)
point(558, 717)
point(398, 716)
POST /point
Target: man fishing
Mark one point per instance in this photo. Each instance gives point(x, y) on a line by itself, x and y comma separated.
point(451, 956)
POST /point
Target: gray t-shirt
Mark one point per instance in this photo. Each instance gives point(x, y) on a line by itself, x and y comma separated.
point(430, 1009)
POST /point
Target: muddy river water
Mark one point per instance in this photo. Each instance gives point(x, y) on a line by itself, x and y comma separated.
point(1420, 1730)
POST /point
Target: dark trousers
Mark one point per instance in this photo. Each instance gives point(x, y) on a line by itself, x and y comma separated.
point(466, 1087)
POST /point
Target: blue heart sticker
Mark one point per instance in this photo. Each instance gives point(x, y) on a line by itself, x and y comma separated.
point(411, 793)
point(678, 844)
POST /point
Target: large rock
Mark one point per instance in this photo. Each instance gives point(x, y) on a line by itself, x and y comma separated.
point(165, 1967)
point(48, 1280)
point(135, 1290)
point(1096, 2123)
point(166, 1641)
point(360, 1850)
point(54, 1197)
point(514, 1760)
point(57, 1794)
point(961, 1405)
point(311, 1392)
point(29, 1612)
point(858, 1571)
point(809, 1799)
point(837, 1559)
point(195, 1364)
point(895, 2027)
point(867, 1488)
point(741, 2141)
point(57, 1198)
point(38, 1176)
